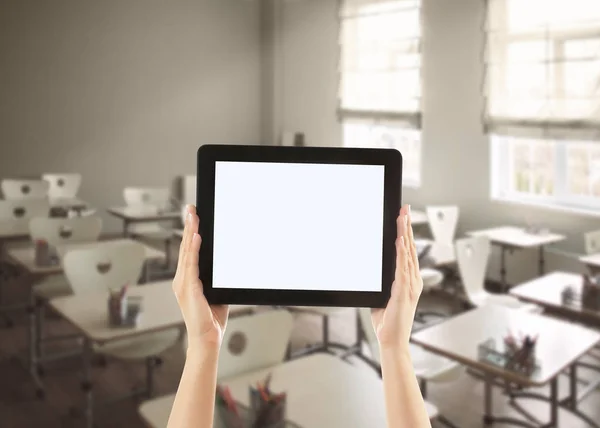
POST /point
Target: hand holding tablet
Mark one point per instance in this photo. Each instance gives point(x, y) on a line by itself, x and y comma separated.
point(297, 225)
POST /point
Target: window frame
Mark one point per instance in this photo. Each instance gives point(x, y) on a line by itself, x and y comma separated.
point(409, 120)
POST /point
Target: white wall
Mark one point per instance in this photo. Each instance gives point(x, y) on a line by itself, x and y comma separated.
point(125, 91)
point(455, 148)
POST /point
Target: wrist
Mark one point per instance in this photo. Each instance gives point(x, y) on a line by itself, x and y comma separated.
point(396, 351)
point(202, 353)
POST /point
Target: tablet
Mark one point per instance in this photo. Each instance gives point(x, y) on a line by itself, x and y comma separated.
point(298, 226)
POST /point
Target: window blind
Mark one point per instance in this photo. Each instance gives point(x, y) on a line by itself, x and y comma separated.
point(543, 69)
point(380, 66)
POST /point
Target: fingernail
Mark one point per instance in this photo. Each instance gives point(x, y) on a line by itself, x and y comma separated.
point(409, 210)
point(188, 218)
point(405, 219)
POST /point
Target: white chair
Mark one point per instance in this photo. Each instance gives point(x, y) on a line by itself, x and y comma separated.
point(442, 222)
point(109, 265)
point(251, 343)
point(57, 232)
point(24, 189)
point(15, 215)
point(63, 185)
point(472, 255)
point(429, 368)
point(592, 242)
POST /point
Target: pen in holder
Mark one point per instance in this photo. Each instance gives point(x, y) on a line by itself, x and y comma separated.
point(44, 254)
point(123, 310)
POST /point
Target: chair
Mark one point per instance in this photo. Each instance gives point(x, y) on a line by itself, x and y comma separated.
point(152, 200)
point(251, 343)
point(24, 189)
point(472, 255)
point(109, 265)
point(429, 368)
point(592, 242)
point(57, 232)
point(442, 222)
point(15, 216)
point(63, 185)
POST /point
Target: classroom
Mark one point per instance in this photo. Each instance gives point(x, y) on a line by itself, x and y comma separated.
point(494, 106)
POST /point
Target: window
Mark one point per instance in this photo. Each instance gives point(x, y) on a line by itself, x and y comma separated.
point(543, 100)
point(380, 78)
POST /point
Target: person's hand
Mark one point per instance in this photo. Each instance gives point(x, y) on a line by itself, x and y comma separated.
point(205, 324)
point(393, 324)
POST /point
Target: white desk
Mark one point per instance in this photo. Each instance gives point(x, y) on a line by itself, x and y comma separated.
point(131, 215)
point(559, 347)
point(25, 257)
point(178, 233)
point(509, 238)
point(322, 391)
point(592, 261)
point(418, 218)
point(68, 203)
point(440, 254)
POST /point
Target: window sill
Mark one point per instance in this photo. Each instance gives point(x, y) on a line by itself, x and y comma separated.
point(585, 212)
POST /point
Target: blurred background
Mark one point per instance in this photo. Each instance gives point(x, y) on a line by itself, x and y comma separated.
point(494, 105)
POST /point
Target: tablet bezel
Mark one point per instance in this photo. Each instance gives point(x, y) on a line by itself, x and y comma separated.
point(207, 157)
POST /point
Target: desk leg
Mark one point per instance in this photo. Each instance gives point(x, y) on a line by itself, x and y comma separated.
point(542, 261)
point(125, 228)
point(554, 403)
point(86, 384)
point(32, 350)
point(488, 419)
point(572, 403)
point(503, 283)
point(359, 333)
point(326, 332)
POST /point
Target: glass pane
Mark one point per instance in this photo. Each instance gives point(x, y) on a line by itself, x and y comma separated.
point(578, 169)
point(408, 141)
point(532, 166)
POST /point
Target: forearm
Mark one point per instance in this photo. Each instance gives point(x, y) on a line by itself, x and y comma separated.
point(403, 400)
point(195, 398)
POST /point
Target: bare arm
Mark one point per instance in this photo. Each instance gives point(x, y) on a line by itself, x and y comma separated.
point(195, 398)
point(404, 402)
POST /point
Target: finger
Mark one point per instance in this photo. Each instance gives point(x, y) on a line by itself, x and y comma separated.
point(184, 238)
point(413, 247)
point(192, 269)
point(408, 244)
point(401, 268)
point(188, 251)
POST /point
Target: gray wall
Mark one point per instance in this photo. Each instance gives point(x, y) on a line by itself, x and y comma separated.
point(125, 91)
point(455, 149)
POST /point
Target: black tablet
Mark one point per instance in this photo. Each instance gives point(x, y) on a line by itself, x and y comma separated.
point(298, 226)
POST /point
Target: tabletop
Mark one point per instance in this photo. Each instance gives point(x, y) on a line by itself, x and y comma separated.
point(143, 214)
point(322, 391)
point(178, 233)
point(559, 345)
point(25, 256)
point(89, 315)
point(517, 237)
point(439, 254)
point(592, 260)
point(418, 217)
point(160, 311)
point(546, 291)
point(68, 203)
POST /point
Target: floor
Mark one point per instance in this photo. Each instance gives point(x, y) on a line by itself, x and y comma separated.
point(461, 401)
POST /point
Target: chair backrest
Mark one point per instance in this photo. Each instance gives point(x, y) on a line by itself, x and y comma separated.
point(189, 190)
point(158, 197)
point(105, 265)
point(24, 189)
point(255, 342)
point(63, 185)
point(592, 242)
point(60, 231)
point(442, 223)
point(369, 332)
point(15, 214)
point(472, 255)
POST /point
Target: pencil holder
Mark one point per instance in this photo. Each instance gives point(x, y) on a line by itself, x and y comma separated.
point(44, 255)
point(123, 310)
point(246, 417)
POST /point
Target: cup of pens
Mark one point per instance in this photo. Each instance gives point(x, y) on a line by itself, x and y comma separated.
point(266, 410)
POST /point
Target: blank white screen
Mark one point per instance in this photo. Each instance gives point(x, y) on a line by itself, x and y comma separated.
point(282, 226)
